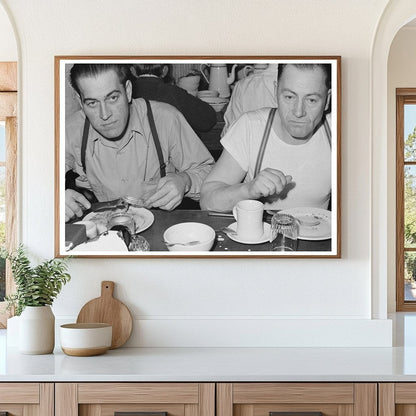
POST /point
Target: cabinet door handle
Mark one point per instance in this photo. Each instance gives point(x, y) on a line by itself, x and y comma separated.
point(139, 414)
point(295, 413)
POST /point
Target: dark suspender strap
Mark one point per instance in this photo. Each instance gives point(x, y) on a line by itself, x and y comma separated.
point(264, 141)
point(84, 143)
point(156, 139)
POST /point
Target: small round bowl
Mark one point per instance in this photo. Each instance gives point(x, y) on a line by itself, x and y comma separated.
point(207, 93)
point(186, 232)
point(83, 340)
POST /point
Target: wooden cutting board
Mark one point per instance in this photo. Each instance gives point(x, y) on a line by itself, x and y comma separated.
point(108, 310)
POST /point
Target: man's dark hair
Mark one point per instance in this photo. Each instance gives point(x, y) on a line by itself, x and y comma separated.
point(92, 70)
point(326, 68)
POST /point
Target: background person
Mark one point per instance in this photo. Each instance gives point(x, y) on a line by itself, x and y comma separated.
point(119, 152)
point(152, 81)
point(296, 165)
point(255, 91)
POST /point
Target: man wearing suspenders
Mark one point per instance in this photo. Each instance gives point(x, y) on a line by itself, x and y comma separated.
point(281, 156)
point(119, 146)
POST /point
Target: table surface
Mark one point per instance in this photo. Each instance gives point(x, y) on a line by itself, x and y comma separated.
point(223, 244)
point(164, 219)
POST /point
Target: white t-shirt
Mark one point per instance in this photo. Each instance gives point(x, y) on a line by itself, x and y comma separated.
point(309, 164)
point(251, 93)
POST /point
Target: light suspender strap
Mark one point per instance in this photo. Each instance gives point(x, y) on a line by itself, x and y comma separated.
point(264, 141)
point(328, 133)
point(156, 139)
point(84, 143)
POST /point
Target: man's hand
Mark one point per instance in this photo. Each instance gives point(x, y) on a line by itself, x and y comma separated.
point(268, 182)
point(75, 204)
point(170, 191)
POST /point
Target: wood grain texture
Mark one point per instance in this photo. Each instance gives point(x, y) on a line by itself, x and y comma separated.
point(8, 105)
point(405, 393)
point(345, 410)
point(386, 399)
point(262, 410)
point(399, 203)
point(13, 409)
point(138, 393)
point(365, 399)
point(19, 393)
point(293, 393)
point(109, 310)
point(47, 399)
point(224, 399)
point(66, 399)
point(84, 352)
point(207, 399)
point(8, 76)
point(11, 207)
point(405, 410)
point(189, 410)
point(110, 409)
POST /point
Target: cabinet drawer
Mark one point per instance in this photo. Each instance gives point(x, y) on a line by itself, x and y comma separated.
point(21, 399)
point(107, 399)
point(297, 399)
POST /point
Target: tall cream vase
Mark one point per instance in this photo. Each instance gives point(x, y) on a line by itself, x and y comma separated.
point(37, 330)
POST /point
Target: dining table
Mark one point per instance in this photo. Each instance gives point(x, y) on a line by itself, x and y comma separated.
point(218, 221)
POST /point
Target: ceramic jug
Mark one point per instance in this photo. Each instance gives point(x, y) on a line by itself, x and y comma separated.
point(219, 79)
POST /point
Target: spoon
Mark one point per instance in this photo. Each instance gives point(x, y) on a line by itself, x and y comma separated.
point(228, 230)
point(189, 243)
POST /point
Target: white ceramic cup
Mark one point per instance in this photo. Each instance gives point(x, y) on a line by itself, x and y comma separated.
point(249, 216)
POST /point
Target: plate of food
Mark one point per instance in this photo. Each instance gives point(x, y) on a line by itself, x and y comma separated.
point(143, 218)
point(314, 223)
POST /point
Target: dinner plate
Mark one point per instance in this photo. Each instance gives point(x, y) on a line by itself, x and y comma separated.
point(143, 219)
point(263, 239)
point(314, 223)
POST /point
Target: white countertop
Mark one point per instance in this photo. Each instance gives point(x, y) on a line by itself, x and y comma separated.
point(221, 364)
point(215, 364)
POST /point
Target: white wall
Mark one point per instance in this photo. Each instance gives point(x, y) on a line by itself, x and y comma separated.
point(8, 45)
point(224, 301)
point(401, 74)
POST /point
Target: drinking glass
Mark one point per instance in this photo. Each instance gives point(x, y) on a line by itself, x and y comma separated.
point(285, 231)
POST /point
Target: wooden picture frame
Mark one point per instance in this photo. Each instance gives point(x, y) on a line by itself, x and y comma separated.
point(115, 155)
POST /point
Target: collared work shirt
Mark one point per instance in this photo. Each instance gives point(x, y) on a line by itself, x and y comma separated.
point(117, 169)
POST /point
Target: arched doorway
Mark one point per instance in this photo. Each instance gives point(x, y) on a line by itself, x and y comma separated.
point(397, 14)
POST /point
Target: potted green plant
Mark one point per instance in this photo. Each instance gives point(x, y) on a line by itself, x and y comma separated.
point(36, 289)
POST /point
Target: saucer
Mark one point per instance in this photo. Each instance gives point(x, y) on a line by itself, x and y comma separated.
point(314, 223)
point(263, 239)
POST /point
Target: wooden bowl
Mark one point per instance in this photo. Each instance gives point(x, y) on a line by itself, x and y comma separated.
point(84, 340)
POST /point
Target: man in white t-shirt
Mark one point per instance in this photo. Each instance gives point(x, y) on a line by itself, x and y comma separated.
point(295, 169)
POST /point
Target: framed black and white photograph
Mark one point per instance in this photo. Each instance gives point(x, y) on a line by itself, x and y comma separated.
point(198, 156)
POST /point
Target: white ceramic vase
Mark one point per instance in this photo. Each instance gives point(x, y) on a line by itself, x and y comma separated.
point(37, 330)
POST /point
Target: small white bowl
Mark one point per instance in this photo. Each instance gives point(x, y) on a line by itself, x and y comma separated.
point(83, 340)
point(190, 231)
